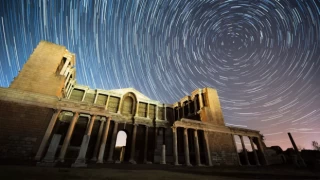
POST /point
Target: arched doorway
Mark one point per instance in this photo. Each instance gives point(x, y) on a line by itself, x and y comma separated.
point(120, 148)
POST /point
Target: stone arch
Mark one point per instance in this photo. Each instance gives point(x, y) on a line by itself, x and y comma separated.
point(129, 104)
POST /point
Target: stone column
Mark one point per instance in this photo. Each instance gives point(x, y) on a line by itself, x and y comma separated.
point(196, 141)
point(67, 78)
point(65, 66)
point(244, 150)
point(137, 109)
point(68, 137)
point(254, 152)
point(145, 153)
point(175, 146)
point(200, 99)
point(104, 141)
point(96, 97)
point(260, 148)
point(69, 90)
point(163, 147)
point(120, 104)
point(235, 149)
point(133, 145)
point(148, 110)
point(81, 159)
point(183, 112)
point(157, 112)
point(207, 148)
point(47, 134)
point(189, 109)
point(107, 103)
point(84, 94)
point(186, 147)
point(96, 147)
point(178, 109)
point(165, 112)
point(195, 105)
point(113, 141)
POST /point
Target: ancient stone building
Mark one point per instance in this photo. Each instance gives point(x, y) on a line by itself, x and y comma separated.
point(46, 116)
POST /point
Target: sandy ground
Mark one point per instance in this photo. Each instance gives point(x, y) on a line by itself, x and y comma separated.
point(153, 172)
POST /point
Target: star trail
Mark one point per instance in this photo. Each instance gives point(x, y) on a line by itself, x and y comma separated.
point(262, 56)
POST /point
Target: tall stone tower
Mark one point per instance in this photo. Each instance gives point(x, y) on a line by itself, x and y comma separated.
point(211, 112)
point(49, 71)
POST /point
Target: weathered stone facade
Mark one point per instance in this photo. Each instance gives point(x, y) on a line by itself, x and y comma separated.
point(47, 116)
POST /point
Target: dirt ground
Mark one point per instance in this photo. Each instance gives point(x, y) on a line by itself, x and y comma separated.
point(153, 172)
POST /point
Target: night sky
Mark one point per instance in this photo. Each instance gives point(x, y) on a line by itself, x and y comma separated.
point(262, 56)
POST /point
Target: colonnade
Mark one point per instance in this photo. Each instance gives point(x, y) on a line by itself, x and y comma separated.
point(186, 147)
point(244, 150)
point(100, 145)
point(80, 161)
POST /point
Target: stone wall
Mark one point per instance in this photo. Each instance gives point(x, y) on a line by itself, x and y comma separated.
point(222, 149)
point(22, 127)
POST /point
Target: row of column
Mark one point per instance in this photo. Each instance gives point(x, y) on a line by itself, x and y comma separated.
point(99, 150)
point(186, 147)
point(246, 153)
point(50, 154)
point(189, 108)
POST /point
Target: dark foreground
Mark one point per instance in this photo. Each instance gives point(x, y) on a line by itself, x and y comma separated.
point(153, 172)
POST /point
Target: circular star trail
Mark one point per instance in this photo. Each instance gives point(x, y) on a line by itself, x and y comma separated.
point(263, 56)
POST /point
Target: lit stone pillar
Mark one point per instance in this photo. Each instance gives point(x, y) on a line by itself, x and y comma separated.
point(196, 142)
point(157, 112)
point(67, 71)
point(148, 110)
point(133, 144)
point(81, 159)
point(262, 151)
point(113, 141)
point(68, 137)
point(235, 149)
point(175, 146)
point(254, 152)
point(107, 103)
point(69, 90)
point(96, 97)
point(207, 148)
point(145, 153)
point(67, 78)
point(165, 112)
point(65, 66)
point(137, 109)
point(244, 150)
point(163, 148)
point(103, 141)
point(120, 104)
point(186, 147)
point(96, 147)
point(84, 94)
point(47, 134)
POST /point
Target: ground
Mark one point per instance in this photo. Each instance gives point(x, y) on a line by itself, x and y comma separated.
point(153, 172)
